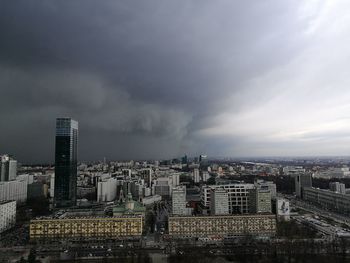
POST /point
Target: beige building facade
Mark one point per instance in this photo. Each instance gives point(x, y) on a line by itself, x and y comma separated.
point(229, 225)
point(91, 227)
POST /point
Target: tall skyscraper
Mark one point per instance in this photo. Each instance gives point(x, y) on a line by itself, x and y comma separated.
point(66, 162)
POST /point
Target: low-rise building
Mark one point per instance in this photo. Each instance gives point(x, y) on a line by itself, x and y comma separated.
point(86, 228)
point(328, 199)
point(227, 225)
point(151, 199)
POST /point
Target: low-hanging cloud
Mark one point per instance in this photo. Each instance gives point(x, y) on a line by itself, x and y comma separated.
point(157, 79)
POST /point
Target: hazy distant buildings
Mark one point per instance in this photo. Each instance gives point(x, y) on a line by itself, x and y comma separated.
point(219, 202)
point(302, 181)
point(7, 215)
point(293, 170)
point(66, 162)
point(334, 172)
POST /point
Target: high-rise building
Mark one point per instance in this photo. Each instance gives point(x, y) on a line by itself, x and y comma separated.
point(146, 174)
point(179, 201)
point(196, 177)
point(8, 168)
point(301, 181)
point(259, 201)
point(107, 190)
point(219, 202)
point(7, 215)
point(203, 159)
point(66, 162)
point(266, 185)
point(14, 190)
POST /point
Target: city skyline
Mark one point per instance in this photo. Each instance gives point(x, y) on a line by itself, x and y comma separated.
point(160, 80)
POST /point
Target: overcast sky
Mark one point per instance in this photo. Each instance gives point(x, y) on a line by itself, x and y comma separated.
point(158, 79)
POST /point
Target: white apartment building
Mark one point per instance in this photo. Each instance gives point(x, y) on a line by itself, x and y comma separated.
point(195, 175)
point(238, 197)
point(219, 202)
point(14, 191)
point(8, 168)
point(205, 176)
point(107, 190)
point(7, 215)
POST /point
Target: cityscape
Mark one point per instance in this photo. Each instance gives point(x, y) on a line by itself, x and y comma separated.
point(193, 131)
point(159, 210)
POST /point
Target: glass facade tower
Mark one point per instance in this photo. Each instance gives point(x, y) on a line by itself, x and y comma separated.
point(66, 162)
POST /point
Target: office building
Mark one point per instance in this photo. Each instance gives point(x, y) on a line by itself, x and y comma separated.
point(337, 187)
point(66, 162)
point(221, 226)
point(266, 185)
point(219, 202)
point(302, 181)
point(146, 175)
point(327, 199)
point(7, 215)
point(163, 187)
point(179, 201)
point(238, 197)
point(259, 201)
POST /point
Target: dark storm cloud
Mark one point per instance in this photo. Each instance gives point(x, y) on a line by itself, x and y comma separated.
point(143, 78)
